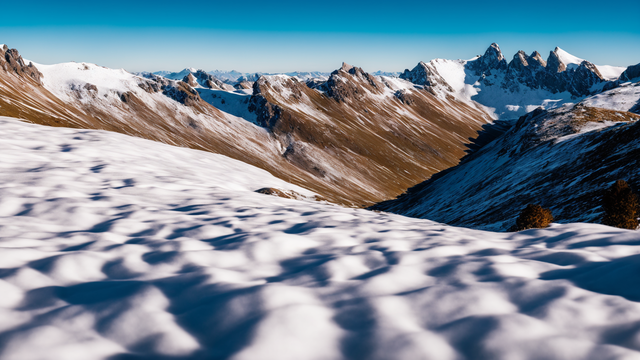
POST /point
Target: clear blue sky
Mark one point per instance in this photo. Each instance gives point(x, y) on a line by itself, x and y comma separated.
point(272, 36)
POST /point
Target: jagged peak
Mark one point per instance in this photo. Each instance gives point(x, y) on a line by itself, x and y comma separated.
point(521, 57)
point(494, 51)
point(536, 57)
point(567, 59)
point(346, 67)
point(492, 59)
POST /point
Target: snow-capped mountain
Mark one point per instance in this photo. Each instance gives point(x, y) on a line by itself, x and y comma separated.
point(355, 138)
point(561, 158)
point(234, 77)
point(514, 88)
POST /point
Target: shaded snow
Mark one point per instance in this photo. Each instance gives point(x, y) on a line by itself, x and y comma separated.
point(235, 103)
point(113, 245)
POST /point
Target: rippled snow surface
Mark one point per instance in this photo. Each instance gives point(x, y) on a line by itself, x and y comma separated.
point(114, 247)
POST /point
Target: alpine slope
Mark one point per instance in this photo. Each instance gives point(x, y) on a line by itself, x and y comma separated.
point(114, 247)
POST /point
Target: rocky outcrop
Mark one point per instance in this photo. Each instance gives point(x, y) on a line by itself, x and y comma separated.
point(490, 62)
point(584, 78)
point(182, 93)
point(11, 61)
point(534, 73)
point(351, 83)
point(190, 80)
point(528, 70)
point(244, 85)
point(267, 113)
point(426, 75)
point(632, 73)
point(209, 81)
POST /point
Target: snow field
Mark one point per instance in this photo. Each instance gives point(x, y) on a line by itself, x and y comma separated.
point(114, 247)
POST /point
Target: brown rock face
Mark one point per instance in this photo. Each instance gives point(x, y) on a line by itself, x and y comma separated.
point(190, 80)
point(11, 61)
point(360, 83)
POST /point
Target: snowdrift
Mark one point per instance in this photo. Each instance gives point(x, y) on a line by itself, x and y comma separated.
point(113, 247)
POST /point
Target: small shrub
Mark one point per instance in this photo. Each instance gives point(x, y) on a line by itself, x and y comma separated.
point(533, 216)
point(620, 206)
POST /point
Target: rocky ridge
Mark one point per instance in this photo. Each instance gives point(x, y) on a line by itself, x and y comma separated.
point(514, 88)
point(561, 159)
point(356, 139)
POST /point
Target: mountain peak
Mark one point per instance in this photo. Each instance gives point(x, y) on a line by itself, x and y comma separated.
point(492, 59)
point(494, 51)
point(567, 59)
point(346, 67)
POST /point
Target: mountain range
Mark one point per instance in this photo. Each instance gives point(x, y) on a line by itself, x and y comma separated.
point(358, 138)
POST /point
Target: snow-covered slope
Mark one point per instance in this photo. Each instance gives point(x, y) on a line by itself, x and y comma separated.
point(562, 159)
point(113, 247)
point(626, 97)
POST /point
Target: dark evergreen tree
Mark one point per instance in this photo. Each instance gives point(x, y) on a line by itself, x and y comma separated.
point(620, 206)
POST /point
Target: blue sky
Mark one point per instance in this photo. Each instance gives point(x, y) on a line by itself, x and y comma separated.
point(272, 36)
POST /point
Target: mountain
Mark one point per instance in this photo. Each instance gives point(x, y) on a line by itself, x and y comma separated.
point(560, 158)
point(233, 77)
point(512, 89)
point(355, 139)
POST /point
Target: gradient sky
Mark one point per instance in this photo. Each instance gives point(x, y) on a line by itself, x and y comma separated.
point(278, 36)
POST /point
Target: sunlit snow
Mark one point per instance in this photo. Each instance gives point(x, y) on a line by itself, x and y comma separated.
point(114, 247)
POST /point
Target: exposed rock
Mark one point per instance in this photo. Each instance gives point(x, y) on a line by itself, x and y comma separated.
point(526, 70)
point(426, 75)
point(350, 82)
point(492, 60)
point(632, 73)
point(190, 80)
point(584, 77)
point(554, 64)
point(126, 97)
point(288, 194)
point(90, 87)
point(244, 85)
point(405, 96)
point(182, 93)
point(267, 113)
point(209, 81)
point(11, 61)
point(534, 73)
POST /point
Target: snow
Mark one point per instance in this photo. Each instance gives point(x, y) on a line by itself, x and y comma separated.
point(610, 72)
point(179, 75)
point(607, 71)
point(118, 247)
point(61, 78)
point(569, 60)
point(622, 98)
point(235, 103)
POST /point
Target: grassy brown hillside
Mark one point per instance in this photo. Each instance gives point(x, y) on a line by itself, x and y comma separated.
point(357, 140)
